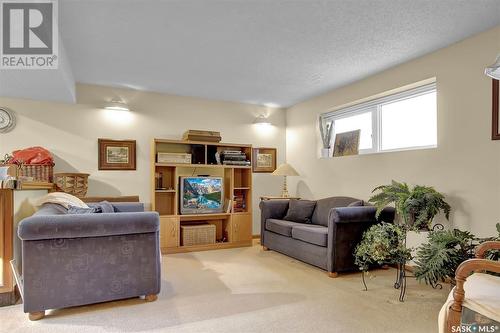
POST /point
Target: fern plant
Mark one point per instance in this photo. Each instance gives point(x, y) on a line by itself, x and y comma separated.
point(417, 206)
point(438, 259)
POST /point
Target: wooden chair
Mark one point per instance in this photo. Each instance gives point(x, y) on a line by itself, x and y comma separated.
point(463, 272)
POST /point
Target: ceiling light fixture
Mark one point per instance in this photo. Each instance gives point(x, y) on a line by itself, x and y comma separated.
point(262, 121)
point(493, 70)
point(117, 105)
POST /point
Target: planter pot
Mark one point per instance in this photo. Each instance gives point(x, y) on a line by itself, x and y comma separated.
point(326, 152)
point(415, 239)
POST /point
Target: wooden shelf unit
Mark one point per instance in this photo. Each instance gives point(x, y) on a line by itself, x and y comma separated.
point(232, 229)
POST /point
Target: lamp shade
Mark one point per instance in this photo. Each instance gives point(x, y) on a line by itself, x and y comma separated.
point(285, 170)
point(493, 71)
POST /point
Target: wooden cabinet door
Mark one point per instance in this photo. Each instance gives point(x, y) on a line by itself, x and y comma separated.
point(241, 228)
point(169, 232)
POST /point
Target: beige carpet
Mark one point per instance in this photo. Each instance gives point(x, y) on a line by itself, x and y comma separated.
point(248, 290)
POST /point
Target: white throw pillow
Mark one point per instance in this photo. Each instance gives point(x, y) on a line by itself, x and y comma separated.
point(63, 199)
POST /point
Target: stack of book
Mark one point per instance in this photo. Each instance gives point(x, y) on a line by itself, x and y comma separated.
point(239, 204)
point(197, 135)
point(234, 157)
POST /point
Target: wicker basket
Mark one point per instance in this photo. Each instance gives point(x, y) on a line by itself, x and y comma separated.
point(199, 234)
point(39, 173)
point(72, 183)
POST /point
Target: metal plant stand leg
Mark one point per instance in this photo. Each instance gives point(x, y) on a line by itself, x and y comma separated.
point(401, 281)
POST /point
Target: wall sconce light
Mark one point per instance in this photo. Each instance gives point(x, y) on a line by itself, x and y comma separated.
point(493, 70)
point(262, 121)
point(117, 105)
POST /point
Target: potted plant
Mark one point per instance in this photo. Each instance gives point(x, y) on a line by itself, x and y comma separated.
point(416, 206)
point(383, 243)
point(438, 258)
point(326, 137)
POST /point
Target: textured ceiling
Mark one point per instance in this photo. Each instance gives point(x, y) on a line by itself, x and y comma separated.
point(258, 52)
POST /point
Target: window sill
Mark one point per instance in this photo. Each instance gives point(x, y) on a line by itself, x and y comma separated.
point(399, 150)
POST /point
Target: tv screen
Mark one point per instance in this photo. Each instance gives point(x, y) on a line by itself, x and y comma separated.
point(201, 195)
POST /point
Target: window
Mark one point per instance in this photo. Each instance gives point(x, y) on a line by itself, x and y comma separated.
point(402, 121)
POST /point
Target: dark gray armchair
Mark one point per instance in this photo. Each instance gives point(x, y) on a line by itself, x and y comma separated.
point(70, 260)
point(329, 240)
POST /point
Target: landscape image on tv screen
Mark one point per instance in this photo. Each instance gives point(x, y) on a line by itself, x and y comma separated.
point(202, 193)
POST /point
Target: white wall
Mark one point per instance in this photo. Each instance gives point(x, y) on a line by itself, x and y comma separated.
point(466, 164)
point(70, 132)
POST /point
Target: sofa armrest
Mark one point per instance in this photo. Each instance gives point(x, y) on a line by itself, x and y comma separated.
point(271, 209)
point(87, 225)
point(346, 226)
point(360, 214)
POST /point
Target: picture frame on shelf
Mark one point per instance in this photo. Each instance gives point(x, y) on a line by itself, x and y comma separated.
point(117, 154)
point(346, 143)
point(495, 128)
point(264, 160)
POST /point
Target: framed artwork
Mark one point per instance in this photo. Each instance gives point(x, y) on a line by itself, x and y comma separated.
point(495, 128)
point(264, 160)
point(346, 143)
point(116, 154)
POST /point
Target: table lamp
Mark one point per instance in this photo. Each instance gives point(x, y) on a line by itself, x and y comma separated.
point(285, 170)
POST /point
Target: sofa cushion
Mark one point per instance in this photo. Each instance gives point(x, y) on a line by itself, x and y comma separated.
point(314, 234)
point(323, 207)
point(300, 211)
point(358, 203)
point(281, 227)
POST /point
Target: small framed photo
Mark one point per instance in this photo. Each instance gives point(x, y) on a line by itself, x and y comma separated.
point(264, 160)
point(117, 154)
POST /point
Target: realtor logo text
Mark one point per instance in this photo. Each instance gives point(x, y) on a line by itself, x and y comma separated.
point(29, 36)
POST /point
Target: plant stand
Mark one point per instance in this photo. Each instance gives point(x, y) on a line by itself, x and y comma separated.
point(401, 281)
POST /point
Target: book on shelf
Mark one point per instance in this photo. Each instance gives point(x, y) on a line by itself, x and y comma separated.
point(235, 157)
point(239, 163)
point(239, 203)
point(232, 152)
point(197, 135)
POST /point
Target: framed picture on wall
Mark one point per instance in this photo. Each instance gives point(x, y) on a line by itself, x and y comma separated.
point(264, 160)
point(117, 154)
point(495, 128)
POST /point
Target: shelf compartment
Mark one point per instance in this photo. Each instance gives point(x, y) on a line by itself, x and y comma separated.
point(220, 221)
point(202, 166)
point(165, 203)
point(241, 201)
point(164, 178)
point(242, 178)
point(201, 217)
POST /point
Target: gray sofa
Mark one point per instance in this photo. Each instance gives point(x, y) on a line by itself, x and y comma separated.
point(330, 238)
point(70, 260)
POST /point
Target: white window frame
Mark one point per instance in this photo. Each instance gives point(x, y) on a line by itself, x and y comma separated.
point(375, 107)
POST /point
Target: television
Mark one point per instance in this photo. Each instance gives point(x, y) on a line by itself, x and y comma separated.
point(201, 195)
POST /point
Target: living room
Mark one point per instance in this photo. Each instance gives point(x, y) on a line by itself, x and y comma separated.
point(284, 109)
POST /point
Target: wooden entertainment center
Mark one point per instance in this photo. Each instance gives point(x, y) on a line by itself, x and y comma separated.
point(233, 229)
